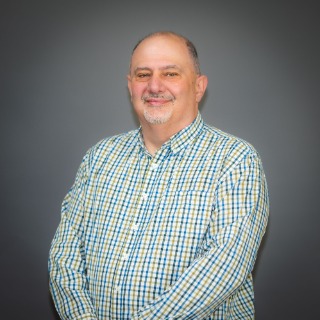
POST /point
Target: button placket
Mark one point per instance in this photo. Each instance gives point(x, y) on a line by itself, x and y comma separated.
point(138, 219)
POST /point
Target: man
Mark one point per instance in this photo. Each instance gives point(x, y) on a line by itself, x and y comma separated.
point(163, 222)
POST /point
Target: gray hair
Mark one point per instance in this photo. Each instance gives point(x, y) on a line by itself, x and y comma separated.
point(190, 46)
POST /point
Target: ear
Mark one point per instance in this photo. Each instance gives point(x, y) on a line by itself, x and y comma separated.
point(129, 84)
point(201, 86)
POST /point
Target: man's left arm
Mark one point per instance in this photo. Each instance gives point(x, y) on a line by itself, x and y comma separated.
point(239, 220)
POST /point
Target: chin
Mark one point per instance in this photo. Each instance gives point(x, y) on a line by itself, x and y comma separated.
point(157, 117)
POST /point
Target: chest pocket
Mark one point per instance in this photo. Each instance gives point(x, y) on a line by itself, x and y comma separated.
point(185, 213)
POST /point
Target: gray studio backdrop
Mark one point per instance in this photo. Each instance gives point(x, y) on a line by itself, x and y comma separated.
point(63, 88)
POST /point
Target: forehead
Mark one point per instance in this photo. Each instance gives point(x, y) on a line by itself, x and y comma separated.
point(159, 50)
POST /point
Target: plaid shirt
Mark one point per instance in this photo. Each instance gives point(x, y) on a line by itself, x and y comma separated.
point(174, 236)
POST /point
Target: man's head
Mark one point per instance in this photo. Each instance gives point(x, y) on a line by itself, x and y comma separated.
point(190, 46)
point(164, 80)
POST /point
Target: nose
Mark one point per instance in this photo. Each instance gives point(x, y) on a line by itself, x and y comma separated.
point(155, 84)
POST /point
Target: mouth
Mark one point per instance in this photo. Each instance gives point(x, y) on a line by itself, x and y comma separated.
point(157, 101)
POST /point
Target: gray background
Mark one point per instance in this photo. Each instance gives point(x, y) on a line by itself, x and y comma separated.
point(63, 88)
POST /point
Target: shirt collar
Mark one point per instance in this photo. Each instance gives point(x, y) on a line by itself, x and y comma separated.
point(181, 139)
point(185, 137)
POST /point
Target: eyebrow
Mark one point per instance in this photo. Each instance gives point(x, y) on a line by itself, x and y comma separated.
point(170, 66)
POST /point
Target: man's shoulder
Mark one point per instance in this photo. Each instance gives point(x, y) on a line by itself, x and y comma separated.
point(227, 151)
point(116, 140)
point(227, 142)
point(113, 144)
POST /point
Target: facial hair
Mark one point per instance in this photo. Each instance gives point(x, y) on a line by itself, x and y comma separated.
point(157, 114)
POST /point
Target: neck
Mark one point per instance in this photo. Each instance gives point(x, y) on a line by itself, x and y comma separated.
point(155, 135)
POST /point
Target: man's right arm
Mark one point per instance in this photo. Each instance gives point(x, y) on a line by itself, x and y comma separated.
point(67, 267)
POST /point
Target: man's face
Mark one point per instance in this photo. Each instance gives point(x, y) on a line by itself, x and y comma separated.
point(163, 84)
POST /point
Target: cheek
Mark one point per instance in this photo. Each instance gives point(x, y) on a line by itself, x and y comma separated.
point(136, 96)
point(137, 90)
point(183, 88)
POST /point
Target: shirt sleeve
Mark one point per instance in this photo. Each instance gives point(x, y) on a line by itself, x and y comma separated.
point(239, 219)
point(67, 265)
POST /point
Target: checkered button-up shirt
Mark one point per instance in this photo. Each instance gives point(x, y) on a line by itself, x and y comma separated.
point(173, 236)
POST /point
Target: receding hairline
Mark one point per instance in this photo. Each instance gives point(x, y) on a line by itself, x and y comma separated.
point(189, 45)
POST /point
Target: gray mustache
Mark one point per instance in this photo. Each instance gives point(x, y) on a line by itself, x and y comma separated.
point(157, 96)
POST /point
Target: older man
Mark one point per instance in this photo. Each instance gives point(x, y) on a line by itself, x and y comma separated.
point(163, 222)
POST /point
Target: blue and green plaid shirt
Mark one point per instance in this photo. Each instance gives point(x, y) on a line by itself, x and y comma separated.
point(174, 236)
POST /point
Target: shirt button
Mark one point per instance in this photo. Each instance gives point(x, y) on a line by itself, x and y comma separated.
point(135, 227)
point(154, 166)
point(125, 256)
point(116, 289)
point(144, 196)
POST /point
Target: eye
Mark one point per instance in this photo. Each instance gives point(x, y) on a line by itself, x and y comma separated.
point(171, 74)
point(143, 75)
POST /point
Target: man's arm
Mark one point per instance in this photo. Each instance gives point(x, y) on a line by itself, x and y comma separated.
point(239, 219)
point(67, 269)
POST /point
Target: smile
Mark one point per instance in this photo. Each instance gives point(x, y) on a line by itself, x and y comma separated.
point(157, 100)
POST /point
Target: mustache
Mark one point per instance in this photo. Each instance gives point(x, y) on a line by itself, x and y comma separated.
point(146, 97)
